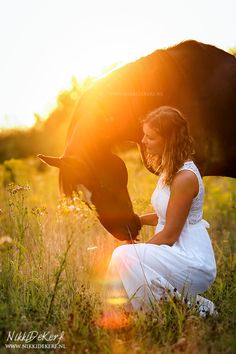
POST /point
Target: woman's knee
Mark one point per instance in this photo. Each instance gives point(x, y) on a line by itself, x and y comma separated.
point(126, 254)
point(120, 251)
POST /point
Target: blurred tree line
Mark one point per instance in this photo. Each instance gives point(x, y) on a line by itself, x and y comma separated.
point(48, 135)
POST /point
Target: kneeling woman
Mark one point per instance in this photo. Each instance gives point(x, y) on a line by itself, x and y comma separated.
point(179, 258)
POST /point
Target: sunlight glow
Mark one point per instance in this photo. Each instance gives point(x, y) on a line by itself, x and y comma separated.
point(44, 44)
point(113, 320)
point(117, 300)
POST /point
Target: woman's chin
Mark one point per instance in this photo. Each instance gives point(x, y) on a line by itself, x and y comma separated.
point(154, 155)
point(151, 152)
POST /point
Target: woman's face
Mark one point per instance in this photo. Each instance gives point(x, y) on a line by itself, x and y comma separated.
point(153, 141)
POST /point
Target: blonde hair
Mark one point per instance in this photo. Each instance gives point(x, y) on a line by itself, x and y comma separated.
point(172, 126)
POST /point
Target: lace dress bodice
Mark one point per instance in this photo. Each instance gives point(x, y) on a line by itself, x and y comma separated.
point(161, 196)
point(195, 213)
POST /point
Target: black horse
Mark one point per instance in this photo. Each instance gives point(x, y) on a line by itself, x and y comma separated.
point(196, 78)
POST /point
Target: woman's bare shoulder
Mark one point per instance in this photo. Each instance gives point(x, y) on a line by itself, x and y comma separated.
point(185, 181)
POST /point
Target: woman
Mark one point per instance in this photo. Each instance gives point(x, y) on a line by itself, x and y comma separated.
point(179, 258)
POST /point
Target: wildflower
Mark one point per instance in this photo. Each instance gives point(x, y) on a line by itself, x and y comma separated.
point(92, 248)
point(39, 211)
point(5, 242)
point(5, 239)
point(75, 198)
point(13, 189)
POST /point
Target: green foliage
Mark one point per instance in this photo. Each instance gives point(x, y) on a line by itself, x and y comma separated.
point(232, 50)
point(54, 254)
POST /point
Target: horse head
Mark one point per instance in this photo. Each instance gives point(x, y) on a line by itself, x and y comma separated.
point(104, 184)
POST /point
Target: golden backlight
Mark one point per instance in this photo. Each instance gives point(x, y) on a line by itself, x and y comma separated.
point(44, 44)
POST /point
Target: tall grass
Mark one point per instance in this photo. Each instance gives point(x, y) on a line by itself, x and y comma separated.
point(54, 255)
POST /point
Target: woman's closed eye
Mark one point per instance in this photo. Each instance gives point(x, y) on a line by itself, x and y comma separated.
point(149, 137)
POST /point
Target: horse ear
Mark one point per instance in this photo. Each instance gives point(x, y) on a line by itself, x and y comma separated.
point(50, 160)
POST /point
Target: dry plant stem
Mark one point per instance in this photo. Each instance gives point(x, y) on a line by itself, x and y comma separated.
point(58, 276)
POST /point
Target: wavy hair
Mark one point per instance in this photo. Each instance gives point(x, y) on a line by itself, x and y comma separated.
point(179, 147)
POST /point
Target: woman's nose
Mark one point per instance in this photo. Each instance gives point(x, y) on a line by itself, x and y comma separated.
point(143, 140)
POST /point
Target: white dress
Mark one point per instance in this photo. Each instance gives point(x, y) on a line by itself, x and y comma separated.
point(146, 271)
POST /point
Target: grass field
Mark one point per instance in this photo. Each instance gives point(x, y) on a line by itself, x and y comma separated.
point(54, 256)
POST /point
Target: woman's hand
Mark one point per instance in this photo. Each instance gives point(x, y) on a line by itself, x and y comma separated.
point(132, 242)
point(149, 219)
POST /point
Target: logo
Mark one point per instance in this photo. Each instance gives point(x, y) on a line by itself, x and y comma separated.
point(34, 340)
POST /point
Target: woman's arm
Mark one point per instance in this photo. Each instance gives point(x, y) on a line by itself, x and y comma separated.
point(183, 189)
point(149, 219)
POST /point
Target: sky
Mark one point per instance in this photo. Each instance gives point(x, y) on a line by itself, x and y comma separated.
point(44, 43)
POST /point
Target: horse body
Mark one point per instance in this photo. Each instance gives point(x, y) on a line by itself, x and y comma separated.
point(198, 79)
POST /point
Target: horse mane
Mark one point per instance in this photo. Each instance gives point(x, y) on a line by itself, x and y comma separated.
point(194, 47)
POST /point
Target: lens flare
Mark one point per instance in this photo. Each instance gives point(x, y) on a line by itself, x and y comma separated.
point(113, 320)
point(117, 300)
